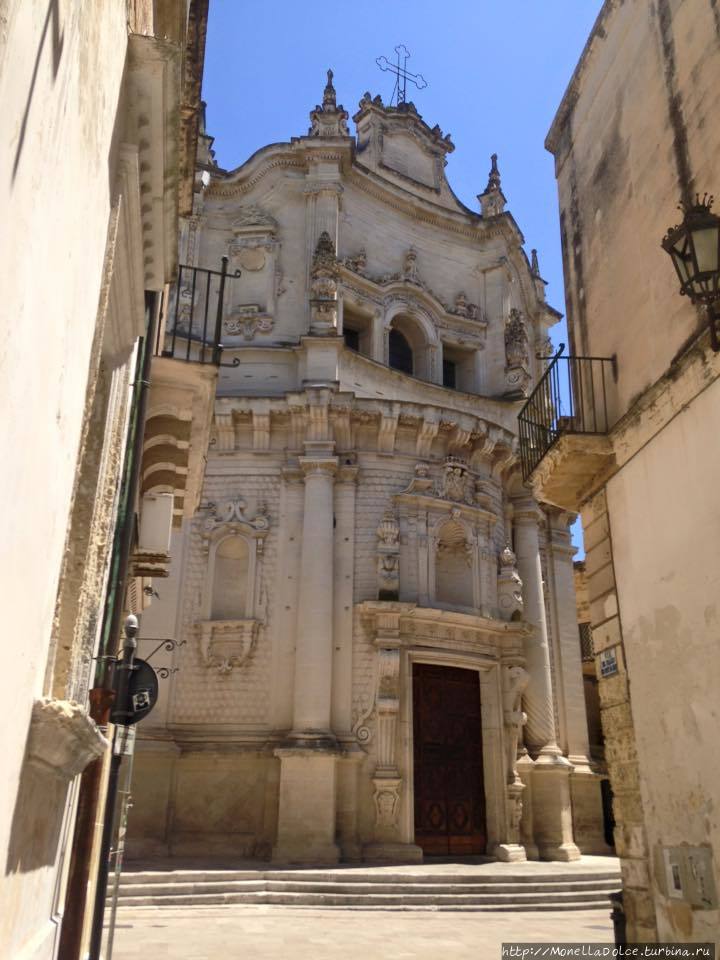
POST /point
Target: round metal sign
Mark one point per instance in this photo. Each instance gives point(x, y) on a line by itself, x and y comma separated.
point(142, 691)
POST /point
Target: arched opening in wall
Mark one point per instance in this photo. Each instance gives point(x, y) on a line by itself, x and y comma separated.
point(401, 355)
point(408, 347)
point(453, 566)
point(357, 329)
point(230, 579)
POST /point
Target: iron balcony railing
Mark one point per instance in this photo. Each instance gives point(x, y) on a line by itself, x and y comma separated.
point(193, 321)
point(570, 397)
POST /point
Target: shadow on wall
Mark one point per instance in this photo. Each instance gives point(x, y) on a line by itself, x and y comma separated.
point(58, 42)
point(37, 820)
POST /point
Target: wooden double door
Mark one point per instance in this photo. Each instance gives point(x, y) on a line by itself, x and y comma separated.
point(447, 733)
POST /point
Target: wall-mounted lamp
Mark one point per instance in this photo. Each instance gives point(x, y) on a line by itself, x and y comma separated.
point(694, 246)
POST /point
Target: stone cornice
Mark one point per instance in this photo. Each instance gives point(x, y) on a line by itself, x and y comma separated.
point(413, 625)
point(471, 512)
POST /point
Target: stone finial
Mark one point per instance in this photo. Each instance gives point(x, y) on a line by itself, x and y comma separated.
point(329, 119)
point(534, 263)
point(494, 176)
point(329, 96)
point(492, 201)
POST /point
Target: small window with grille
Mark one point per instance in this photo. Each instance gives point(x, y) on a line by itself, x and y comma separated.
point(586, 647)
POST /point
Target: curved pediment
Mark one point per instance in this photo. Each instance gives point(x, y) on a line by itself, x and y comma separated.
point(396, 144)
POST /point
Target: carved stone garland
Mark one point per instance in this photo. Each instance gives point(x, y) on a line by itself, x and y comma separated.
point(388, 562)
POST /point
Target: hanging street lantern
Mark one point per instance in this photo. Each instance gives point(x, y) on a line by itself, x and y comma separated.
point(694, 247)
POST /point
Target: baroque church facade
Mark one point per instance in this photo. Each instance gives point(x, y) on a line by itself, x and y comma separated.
point(378, 653)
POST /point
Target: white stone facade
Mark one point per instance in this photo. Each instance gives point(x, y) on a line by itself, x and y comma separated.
point(362, 515)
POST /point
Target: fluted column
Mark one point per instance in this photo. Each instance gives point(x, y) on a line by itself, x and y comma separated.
point(538, 699)
point(314, 649)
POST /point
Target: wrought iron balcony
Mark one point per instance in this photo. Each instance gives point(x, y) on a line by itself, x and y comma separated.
point(193, 324)
point(569, 401)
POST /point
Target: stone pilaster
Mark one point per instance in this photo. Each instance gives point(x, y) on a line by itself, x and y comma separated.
point(307, 802)
point(343, 565)
point(314, 650)
point(552, 810)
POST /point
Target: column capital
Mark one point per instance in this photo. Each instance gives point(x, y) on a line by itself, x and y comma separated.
point(561, 519)
point(347, 473)
point(527, 510)
point(313, 466)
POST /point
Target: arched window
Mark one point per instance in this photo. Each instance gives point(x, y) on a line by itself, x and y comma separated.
point(230, 580)
point(401, 355)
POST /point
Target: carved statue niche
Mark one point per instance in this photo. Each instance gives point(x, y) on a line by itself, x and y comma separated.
point(233, 598)
point(514, 682)
point(324, 288)
point(388, 562)
point(510, 599)
point(454, 564)
point(517, 354)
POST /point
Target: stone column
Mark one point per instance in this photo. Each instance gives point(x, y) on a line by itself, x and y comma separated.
point(584, 783)
point(307, 803)
point(540, 728)
point(552, 812)
point(569, 665)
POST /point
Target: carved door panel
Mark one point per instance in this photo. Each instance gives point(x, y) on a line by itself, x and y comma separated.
point(447, 733)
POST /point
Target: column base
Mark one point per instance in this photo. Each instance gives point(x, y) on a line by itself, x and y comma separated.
point(527, 834)
point(393, 852)
point(552, 809)
point(509, 853)
point(306, 811)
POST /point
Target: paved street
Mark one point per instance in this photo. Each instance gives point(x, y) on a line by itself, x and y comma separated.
point(269, 932)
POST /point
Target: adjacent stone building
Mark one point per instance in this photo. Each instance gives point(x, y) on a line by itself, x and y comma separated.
point(379, 654)
point(634, 134)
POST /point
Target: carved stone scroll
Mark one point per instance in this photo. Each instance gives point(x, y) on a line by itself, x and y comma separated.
point(514, 681)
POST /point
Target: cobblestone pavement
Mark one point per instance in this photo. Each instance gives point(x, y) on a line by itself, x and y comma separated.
point(288, 933)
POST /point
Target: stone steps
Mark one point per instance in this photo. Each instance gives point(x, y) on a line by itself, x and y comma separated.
point(368, 890)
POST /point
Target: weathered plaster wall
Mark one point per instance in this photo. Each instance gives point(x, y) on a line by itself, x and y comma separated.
point(634, 136)
point(61, 72)
point(670, 628)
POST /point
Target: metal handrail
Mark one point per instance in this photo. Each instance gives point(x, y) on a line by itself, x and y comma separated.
point(570, 397)
point(196, 307)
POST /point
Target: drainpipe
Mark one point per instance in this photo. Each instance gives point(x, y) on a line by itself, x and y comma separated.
point(90, 805)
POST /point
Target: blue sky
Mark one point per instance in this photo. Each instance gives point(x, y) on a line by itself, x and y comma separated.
point(496, 72)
